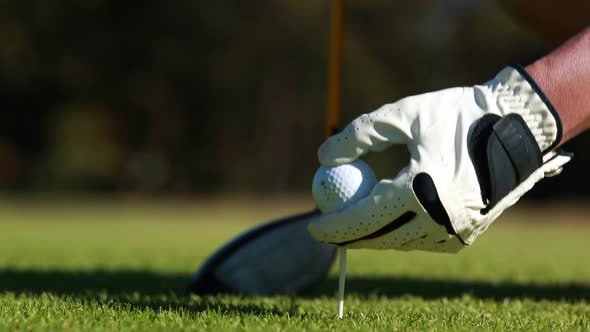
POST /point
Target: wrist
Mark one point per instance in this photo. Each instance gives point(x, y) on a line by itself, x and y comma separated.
point(517, 92)
point(564, 77)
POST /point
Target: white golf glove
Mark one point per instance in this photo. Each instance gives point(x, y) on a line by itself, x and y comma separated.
point(474, 152)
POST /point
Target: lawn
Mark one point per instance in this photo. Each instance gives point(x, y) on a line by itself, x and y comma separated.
point(126, 265)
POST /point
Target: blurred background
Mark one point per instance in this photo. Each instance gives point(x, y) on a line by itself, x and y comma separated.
point(187, 98)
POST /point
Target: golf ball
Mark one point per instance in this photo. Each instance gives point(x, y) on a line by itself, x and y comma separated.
point(337, 187)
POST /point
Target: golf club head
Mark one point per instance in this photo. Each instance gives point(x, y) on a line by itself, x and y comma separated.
point(279, 257)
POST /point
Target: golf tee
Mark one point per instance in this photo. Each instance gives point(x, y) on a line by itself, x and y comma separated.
point(341, 280)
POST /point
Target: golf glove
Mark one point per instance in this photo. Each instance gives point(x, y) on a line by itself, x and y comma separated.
point(474, 152)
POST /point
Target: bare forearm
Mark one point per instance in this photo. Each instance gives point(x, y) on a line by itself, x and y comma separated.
point(564, 77)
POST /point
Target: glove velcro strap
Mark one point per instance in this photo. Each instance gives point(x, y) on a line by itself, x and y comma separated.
point(547, 103)
point(512, 154)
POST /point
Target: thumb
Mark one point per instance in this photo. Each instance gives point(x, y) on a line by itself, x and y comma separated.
point(375, 131)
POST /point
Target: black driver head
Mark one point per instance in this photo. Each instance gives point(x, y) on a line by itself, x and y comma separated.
point(279, 257)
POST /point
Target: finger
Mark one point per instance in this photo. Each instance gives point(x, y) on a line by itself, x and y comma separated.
point(401, 238)
point(421, 234)
point(449, 245)
point(375, 131)
point(385, 209)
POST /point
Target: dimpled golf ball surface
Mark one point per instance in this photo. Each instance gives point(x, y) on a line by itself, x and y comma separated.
point(337, 187)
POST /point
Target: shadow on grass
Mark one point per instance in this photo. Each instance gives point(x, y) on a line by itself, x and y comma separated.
point(76, 282)
point(440, 288)
point(169, 290)
point(138, 289)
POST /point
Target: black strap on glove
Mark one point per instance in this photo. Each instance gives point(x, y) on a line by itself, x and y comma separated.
point(504, 153)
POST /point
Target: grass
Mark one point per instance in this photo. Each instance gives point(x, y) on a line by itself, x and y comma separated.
point(126, 267)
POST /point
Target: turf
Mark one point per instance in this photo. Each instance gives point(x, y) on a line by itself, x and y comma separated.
point(126, 267)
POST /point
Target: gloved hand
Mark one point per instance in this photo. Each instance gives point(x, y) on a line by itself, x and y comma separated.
point(474, 152)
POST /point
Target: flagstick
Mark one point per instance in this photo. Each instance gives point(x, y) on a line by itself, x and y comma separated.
point(341, 279)
point(333, 108)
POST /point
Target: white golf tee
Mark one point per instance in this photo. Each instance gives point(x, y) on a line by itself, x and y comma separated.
point(341, 280)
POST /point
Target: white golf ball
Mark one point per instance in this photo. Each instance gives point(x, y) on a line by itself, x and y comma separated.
point(337, 187)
